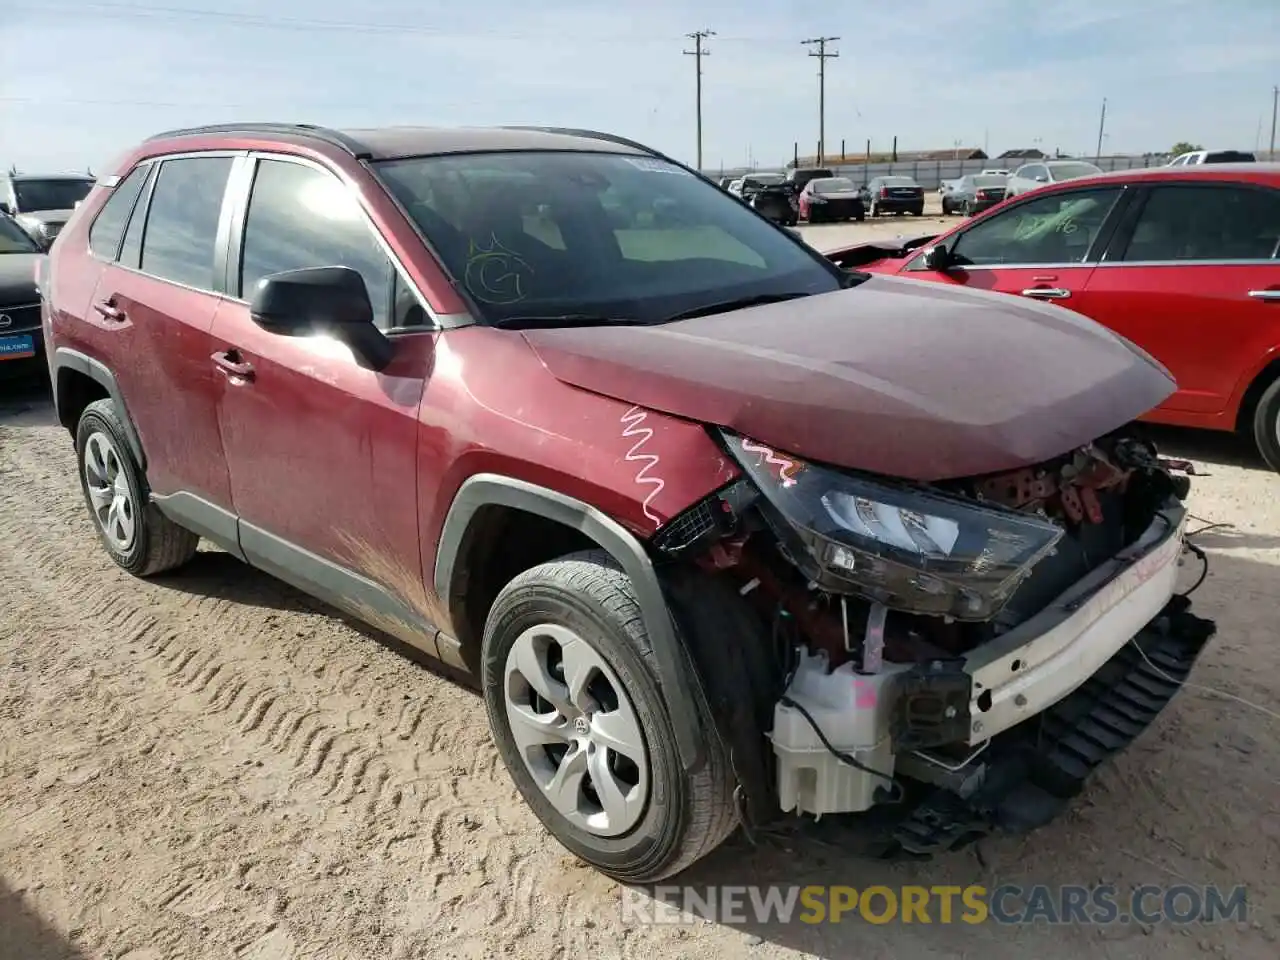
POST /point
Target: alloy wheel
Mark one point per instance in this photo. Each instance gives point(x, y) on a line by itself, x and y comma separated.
point(576, 730)
point(112, 501)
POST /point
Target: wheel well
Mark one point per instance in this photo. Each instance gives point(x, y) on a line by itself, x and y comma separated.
point(75, 391)
point(1249, 402)
point(500, 543)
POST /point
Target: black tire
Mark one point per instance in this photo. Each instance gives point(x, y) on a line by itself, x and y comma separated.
point(158, 544)
point(946, 207)
point(860, 216)
point(1266, 425)
point(918, 211)
point(687, 815)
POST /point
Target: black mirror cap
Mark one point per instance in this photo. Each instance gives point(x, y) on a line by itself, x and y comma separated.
point(331, 300)
point(937, 257)
point(312, 300)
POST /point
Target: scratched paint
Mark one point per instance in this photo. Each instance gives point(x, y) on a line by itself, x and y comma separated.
point(650, 462)
point(786, 468)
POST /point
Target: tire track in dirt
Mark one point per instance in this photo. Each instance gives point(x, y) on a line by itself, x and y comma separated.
point(346, 725)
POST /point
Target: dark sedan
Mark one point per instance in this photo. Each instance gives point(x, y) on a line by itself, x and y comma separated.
point(831, 199)
point(896, 195)
point(21, 339)
point(974, 193)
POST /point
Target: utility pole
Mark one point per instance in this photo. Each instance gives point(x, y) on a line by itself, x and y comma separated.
point(1275, 99)
point(823, 56)
point(1102, 124)
point(698, 53)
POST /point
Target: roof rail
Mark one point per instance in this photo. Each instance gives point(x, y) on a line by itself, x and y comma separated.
point(332, 137)
point(611, 138)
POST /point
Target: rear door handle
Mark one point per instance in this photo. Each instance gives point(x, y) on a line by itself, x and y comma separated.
point(1046, 293)
point(109, 311)
point(1265, 294)
point(229, 363)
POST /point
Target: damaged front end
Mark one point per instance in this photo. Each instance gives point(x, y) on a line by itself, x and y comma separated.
point(967, 650)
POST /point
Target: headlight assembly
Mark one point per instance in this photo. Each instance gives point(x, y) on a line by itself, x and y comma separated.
point(908, 548)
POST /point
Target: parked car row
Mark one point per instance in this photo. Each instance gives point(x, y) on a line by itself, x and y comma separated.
point(587, 416)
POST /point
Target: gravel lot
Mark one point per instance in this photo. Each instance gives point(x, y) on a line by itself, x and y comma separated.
point(211, 765)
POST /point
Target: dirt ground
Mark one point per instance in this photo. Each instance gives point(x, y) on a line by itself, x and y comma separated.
point(211, 765)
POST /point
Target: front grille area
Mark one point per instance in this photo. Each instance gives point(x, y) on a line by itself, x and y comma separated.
point(21, 318)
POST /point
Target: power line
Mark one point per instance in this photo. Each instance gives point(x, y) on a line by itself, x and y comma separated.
point(698, 53)
point(823, 56)
point(245, 19)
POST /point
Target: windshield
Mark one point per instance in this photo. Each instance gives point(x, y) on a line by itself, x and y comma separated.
point(989, 180)
point(1229, 156)
point(553, 234)
point(766, 179)
point(1070, 171)
point(13, 239)
point(50, 194)
point(897, 181)
point(834, 185)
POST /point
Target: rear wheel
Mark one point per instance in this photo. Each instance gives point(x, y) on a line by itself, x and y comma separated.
point(136, 535)
point(576, 708)
point(1266, 425)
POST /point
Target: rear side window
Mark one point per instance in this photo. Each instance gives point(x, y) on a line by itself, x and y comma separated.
point(301, 217)
point(108, 226)
point(182, 222)
point(1206, 223)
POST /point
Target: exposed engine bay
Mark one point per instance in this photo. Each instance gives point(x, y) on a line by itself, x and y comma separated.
point(913, 623)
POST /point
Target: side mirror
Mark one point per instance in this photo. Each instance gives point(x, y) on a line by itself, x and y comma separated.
point(327, 300)
point(937, 257)
point(5, 208)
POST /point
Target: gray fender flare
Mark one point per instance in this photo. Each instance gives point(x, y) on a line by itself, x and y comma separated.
point(676, 670)
point(65, 358)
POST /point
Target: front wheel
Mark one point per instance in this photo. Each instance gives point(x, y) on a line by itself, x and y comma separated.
point(1266, 425)
point(576, 708)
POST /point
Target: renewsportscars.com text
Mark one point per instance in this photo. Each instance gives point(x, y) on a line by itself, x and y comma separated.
point(1008, 904)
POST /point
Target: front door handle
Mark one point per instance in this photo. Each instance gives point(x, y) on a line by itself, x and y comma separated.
point(1265, 294)
point(1046, 293)
point(109, 311)
point(229, 363)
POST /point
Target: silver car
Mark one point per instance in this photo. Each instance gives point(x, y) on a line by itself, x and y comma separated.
point(1039, 173)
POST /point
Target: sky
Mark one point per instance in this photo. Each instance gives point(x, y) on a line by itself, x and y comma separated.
point(81, 81)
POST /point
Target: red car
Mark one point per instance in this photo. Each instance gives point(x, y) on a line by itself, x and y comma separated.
point(1180, 260)
point(659, 476)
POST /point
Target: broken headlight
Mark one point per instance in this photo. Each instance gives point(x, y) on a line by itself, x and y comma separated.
point(908, 548)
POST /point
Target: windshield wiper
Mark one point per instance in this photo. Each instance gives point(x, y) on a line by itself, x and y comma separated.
point(563, 320)
point(741, 303)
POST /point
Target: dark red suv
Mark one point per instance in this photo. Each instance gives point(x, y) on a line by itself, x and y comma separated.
point(722, 530)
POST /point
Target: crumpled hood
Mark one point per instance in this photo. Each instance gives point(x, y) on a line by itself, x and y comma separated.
point(898, 377)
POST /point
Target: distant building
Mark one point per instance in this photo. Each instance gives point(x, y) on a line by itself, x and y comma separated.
point(1030, 153)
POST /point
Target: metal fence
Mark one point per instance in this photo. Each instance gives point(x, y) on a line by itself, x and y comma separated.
point(930, 173)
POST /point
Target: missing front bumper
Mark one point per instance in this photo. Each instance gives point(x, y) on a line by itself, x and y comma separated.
point(1034, 769)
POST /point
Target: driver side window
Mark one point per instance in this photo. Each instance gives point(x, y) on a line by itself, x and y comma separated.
point(1058, 228)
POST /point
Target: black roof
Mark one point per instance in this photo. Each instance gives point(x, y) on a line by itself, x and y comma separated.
point(391, 143)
